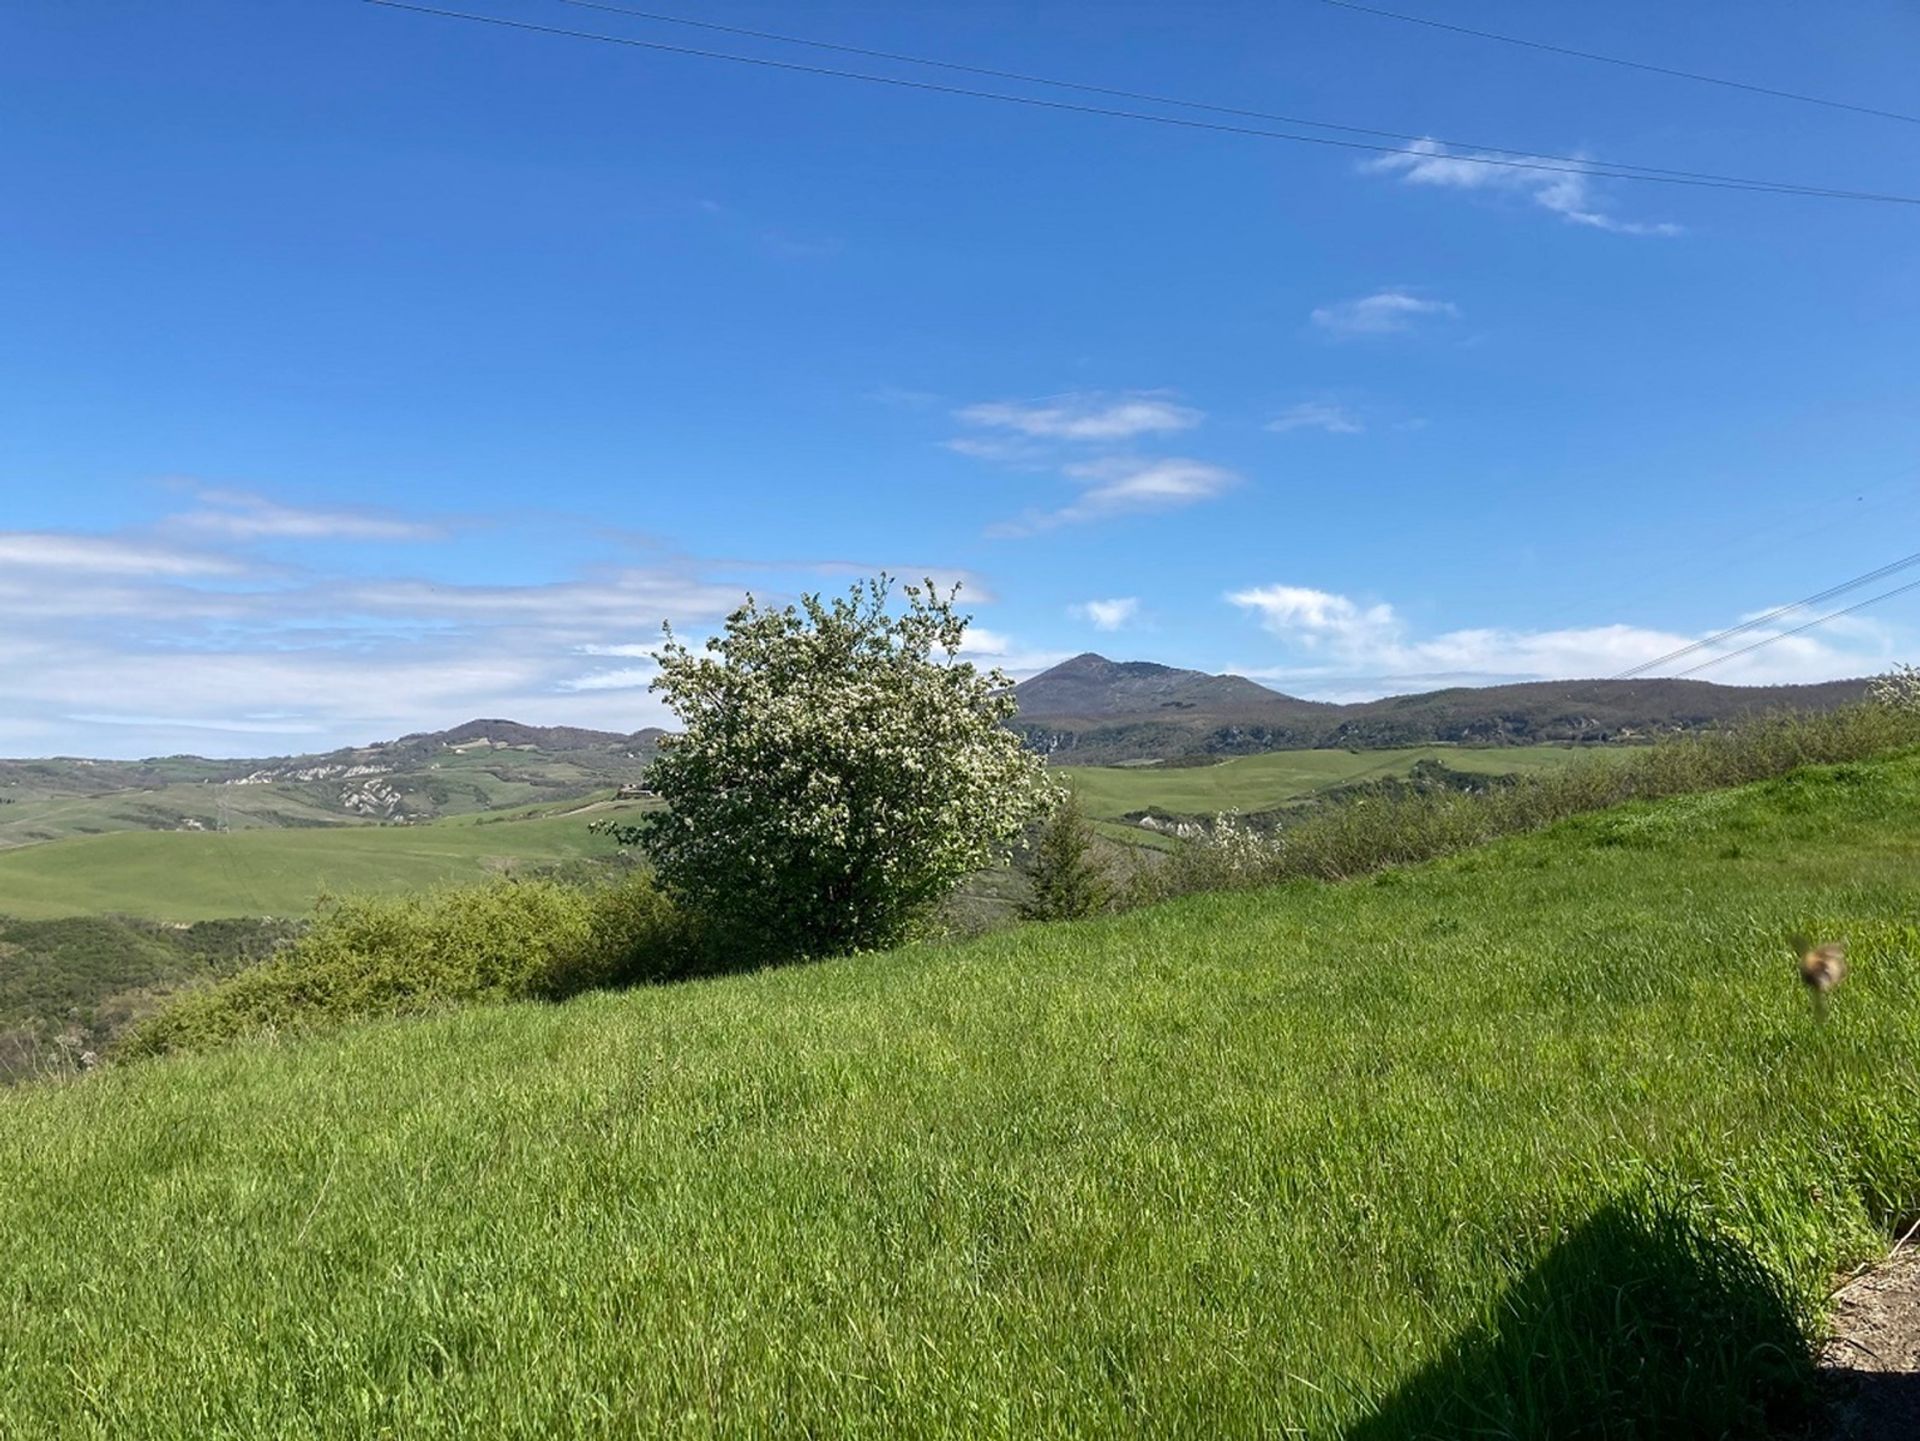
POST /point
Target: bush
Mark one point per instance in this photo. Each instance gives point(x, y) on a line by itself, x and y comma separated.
point(398, 955)
point(840, 770)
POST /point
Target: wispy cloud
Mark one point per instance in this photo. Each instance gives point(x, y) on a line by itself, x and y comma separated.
point(240, 515)
point(1086, 416)
point(1107, 614)
point(1566, 191)
point(1343, 649)
point(993, 650)
point(108, 555)
point(127, 644)
point(633, 677)
point(1120, 485)
point(1385, 312)
point(1009, 450)
point(1087, 438)
point(1327, 415)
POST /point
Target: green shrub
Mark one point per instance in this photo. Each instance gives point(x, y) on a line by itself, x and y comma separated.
point(369, 956)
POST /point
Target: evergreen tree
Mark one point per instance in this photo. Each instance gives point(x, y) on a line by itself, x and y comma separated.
point(1067, 878)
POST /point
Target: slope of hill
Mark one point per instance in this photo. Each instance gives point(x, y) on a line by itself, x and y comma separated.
point(480, 766)
point(1092, 711)
point(1256, 783)
point(283, 872)
point(69, 986)
point(1543, 1140)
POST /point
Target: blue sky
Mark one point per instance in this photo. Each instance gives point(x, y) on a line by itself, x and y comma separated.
point(362, 371)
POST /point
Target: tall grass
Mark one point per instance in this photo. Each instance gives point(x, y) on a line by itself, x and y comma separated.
point(1540, 1140)
point(1360, 834)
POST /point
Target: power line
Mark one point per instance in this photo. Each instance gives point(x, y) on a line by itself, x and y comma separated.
point(1599, 171)
point(1116, 92)
point(1755, 622)
point(1626, 64)
point(1822, 620)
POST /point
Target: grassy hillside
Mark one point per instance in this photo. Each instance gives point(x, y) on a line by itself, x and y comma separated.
point(175, 876)
point(480, 766)
point(1259, 783)
point(1542, 1140)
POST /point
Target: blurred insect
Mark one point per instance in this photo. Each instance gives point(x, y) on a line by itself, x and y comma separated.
point(1821, 969)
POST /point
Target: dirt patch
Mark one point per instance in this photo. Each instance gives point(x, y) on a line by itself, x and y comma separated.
point(1870, 1365)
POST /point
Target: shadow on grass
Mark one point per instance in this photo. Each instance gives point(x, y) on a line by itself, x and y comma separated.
point(1635, 1326)
point(1872, 1405)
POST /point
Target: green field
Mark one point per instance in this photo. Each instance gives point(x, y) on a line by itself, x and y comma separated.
point(197, 875)
point(31, 817)
point(1264, 782)
point(55, 800)
point(262, 869)
point(1540, 1140)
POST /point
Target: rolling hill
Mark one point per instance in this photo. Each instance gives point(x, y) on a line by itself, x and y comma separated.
point(284, 872)
point(1084, 711)
point(1095, 711)
point(484, 765)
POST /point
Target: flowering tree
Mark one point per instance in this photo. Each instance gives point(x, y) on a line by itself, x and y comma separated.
point(1898, 689)
point(839, 771)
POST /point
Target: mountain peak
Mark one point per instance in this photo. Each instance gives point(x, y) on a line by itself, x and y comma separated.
point(1091, 685)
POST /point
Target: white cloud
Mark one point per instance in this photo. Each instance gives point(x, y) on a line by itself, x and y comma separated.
point(1085, 416)
point(1107, 614)
point(1125, 484)
point(1386, 312)
point(1566, 191)
point(1010, 450)
point(1327, 415)
point(991, 649)
point(108, 555)
point(242, 516)
point(636, 677)
point(630, 652)
point(1118, 485)
point(1349, 651)
point(1313, 618)
point(1083, 436)
point(118, 645)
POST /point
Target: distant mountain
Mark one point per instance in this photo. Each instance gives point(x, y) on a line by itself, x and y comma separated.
point(480, 766)
point(1091, 685)
point(1091, 710)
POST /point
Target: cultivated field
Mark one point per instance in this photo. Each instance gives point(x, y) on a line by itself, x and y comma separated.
point(1543, 1139)
point(200, 875)
point(1264, 782)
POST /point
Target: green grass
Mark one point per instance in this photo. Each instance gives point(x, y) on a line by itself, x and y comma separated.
point(1541, 1139)
point(1263, 782)
point(31, 817)
point(189, 876)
